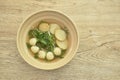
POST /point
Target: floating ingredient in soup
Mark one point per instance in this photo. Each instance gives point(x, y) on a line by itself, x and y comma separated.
point(48, 41)
point(34, 49)
point(50, 56)
point(57, 51)
point(60, 34)
point(53, 27)
point(62, 44)
point(44, 27)
point(42, 54)
point(33, 41)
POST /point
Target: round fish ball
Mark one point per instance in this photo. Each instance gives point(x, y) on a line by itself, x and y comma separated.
point(42, 54)
point(32, 41)
point(44, 27)
point(57, 51)
point(50, 56)
point(34, 49)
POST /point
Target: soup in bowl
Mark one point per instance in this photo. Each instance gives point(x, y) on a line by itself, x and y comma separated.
point(47, 40)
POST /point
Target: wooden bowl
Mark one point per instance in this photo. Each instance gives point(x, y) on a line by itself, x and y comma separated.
point(50, 16)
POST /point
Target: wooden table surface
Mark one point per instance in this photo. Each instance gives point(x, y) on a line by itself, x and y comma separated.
point(98, 56)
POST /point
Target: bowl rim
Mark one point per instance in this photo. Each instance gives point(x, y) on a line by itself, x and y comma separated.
point(48, 10)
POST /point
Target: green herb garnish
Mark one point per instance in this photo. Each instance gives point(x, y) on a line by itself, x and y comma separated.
point(45, 39)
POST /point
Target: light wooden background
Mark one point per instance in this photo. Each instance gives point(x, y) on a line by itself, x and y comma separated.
point(98, 56)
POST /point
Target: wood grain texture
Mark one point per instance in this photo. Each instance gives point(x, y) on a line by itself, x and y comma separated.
point(98, 56)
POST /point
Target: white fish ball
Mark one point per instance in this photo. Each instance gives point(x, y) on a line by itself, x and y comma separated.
point(32, 41)
point(50, 56)
point(42, 54)
point(34, 49)
point(57, 51)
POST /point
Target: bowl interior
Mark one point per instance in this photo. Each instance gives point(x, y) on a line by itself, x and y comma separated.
point(51, 17)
